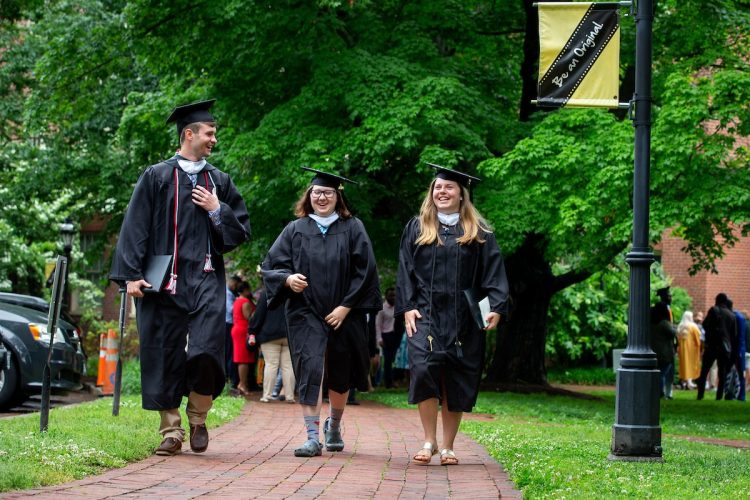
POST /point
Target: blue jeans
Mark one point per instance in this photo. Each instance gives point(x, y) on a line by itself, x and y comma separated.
point(667, 379)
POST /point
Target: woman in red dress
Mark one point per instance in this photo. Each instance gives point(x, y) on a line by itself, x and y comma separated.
point(241, 311)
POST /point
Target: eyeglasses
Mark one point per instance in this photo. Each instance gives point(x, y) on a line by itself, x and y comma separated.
point(327, 193)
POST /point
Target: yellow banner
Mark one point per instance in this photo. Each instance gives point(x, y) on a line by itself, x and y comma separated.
point(579, 55)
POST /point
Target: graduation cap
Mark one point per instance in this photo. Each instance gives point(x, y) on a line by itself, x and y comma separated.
point(662, 292)
point(327, 179)
point(448, 174)
point(191, 113)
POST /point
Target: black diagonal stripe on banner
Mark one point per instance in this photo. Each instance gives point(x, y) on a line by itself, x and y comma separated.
point(580, 52)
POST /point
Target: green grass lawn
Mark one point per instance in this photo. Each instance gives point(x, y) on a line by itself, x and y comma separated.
point(557, 446)
point(85, 439)
point(552, 446)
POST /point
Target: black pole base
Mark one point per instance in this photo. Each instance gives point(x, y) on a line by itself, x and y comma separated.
point(46, 391)
point(634, 441)
point(626, 458)
point(636, 434)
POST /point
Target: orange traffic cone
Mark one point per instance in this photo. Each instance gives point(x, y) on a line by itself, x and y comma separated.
point(102, 373)
point(113, 352)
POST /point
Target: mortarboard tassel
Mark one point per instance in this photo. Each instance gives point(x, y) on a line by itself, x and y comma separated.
point(172, 284)
point(208, 267)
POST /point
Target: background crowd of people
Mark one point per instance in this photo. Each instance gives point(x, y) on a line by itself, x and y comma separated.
point(257, 348)
point(710, 353)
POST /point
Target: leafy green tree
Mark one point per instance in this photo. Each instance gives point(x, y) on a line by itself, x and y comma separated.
point(562, 195)
point(589, 319)
point(365, 88)
point(55, 134)
point(23, 223)
point(369, 89)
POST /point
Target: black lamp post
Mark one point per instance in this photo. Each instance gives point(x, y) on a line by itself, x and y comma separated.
point(67, 232)
point(636, 434)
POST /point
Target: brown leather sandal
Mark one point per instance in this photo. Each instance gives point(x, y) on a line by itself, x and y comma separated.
point(425, 454)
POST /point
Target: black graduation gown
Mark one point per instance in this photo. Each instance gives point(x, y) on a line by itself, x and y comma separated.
point(267, 324)
point(341, 271)
point(198, 308)
point(431, 279)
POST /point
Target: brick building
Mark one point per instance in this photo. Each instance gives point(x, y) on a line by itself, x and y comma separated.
point(733, 277)
point(97, 269)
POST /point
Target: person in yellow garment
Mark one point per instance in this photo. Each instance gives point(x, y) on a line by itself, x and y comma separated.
point(688, 350)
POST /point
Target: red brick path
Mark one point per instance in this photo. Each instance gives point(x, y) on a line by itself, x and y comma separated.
point(252, 457)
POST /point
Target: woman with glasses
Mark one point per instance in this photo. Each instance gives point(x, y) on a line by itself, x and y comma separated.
point(446, 251)
point(322, 265)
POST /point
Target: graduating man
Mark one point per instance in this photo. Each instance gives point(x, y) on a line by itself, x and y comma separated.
point(185, 208)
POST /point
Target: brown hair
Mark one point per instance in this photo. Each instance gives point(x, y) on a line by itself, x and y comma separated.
point(471, 220)
point(194, 127)
point(304, 207)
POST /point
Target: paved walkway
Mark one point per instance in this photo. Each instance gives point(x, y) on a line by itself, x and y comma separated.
point(252, 457)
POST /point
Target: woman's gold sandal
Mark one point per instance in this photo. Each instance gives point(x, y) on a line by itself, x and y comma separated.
point(447, 457)
point(425, 454)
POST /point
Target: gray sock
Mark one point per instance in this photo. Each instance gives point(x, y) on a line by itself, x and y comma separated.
point(312, 424)
point(336, 416)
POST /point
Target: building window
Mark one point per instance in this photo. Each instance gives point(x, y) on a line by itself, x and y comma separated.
point(93, 268)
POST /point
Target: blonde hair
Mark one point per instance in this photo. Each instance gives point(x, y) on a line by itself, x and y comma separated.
point(471, 220)
point(686, 324)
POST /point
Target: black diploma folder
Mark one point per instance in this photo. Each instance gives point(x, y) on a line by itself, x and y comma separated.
point(478, 307)
point(156, 273)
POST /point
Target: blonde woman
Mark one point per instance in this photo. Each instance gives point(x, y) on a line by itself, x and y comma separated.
point(449, 248)
point(688, 350)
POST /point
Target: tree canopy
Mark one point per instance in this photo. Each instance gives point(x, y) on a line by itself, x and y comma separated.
point(369, 89)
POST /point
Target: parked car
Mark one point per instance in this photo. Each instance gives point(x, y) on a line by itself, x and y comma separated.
point(32, 302)
point(24, 335)
point(38, 303)
point(4, 355)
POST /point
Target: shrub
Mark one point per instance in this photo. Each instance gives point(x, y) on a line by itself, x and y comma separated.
point(582, 376)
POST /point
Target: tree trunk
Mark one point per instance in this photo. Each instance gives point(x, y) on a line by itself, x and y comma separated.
point(530, 64)
point(519, 351)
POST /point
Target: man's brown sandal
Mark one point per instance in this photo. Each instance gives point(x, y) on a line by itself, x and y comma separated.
point(425, 454)
point(447, 457)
